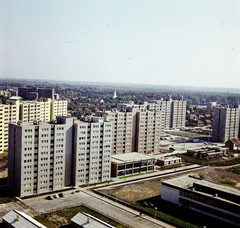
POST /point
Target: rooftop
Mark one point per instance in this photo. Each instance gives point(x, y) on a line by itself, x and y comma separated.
point(130, 157)
point(188, 182)
point(86, 220)
point(20, 219)
point(172, 158)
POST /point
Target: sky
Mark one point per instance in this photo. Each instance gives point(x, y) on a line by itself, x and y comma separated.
point(160, 42)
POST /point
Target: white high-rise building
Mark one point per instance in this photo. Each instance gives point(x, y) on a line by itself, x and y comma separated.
point(58, 108)
point(8, 114)
point(123, 130)
point(49, 156)
point(40, 156)
point(148, 132)
point(173, 111)
point(225, 123)
point(92, 151)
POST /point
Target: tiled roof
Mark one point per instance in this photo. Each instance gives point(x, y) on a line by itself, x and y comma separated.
point(235, 141)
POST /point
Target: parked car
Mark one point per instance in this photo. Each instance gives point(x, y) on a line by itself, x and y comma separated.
point(56, 196)
point(61, 194)
point(49, 198)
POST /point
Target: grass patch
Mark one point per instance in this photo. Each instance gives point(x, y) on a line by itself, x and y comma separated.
point(64, 216)
point(166, 217)
point(228, 182)
point(201, 176)
point(173, 165)
point(227, 162)
point(212, 162)
point(137, 174)
point(235, 170)
point(189, 159)
point(89, 185)
point(164, 150)
point(5, 197)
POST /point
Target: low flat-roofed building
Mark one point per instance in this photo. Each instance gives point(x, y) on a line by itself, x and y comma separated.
point(206, 197)
point(168, 160)
point(207, 152)
point(18, 219)
point(130, 163)
point(84, 220)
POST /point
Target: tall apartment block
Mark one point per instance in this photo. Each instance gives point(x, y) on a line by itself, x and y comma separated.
point(35, 110)
point(173, 111)
point(8, 114)
point(148, 132)
point(92, 151)
point(123, 130)
point(225, 123)
point(39, 156)
point(45, 110)
point(58, 108)
point(33, 93)
point(164, 107)
point(49, 156)
point(134, 131)
point(178, 114)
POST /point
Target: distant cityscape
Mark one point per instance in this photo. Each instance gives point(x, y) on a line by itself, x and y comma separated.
point(58, 141)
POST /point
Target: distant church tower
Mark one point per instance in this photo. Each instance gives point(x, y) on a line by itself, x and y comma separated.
point(115, 94)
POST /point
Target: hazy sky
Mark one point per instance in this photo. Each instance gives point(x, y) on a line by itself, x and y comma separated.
point(164, 42)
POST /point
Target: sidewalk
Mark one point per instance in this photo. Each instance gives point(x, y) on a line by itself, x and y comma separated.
point(129, 210)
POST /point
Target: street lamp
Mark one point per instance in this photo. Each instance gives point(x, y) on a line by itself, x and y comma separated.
point(155, 212)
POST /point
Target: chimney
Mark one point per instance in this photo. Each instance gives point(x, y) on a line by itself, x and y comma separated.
point(88, 219)
point(18, 217)
point(216, 195)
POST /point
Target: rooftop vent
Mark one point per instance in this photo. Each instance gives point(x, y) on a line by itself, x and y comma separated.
point(88, 219)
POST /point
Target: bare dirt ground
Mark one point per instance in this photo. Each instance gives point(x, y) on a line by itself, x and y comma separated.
point(3, 165)
point(152, 188)
point(58, 219)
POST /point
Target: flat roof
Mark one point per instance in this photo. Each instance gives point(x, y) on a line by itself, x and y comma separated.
point(130, 157)
point(39, 122)
point(186, 182)
point(172, 158)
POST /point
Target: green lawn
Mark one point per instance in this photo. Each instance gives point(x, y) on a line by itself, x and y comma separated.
point(234, 170)
point(166, 217)
point(172, 166)
point(5, 197)
point(212, 162)
point(228, 182)
point(89, 185)
point(137, 174)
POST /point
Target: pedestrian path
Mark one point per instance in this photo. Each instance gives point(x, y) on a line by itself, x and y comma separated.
point(132, 212)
